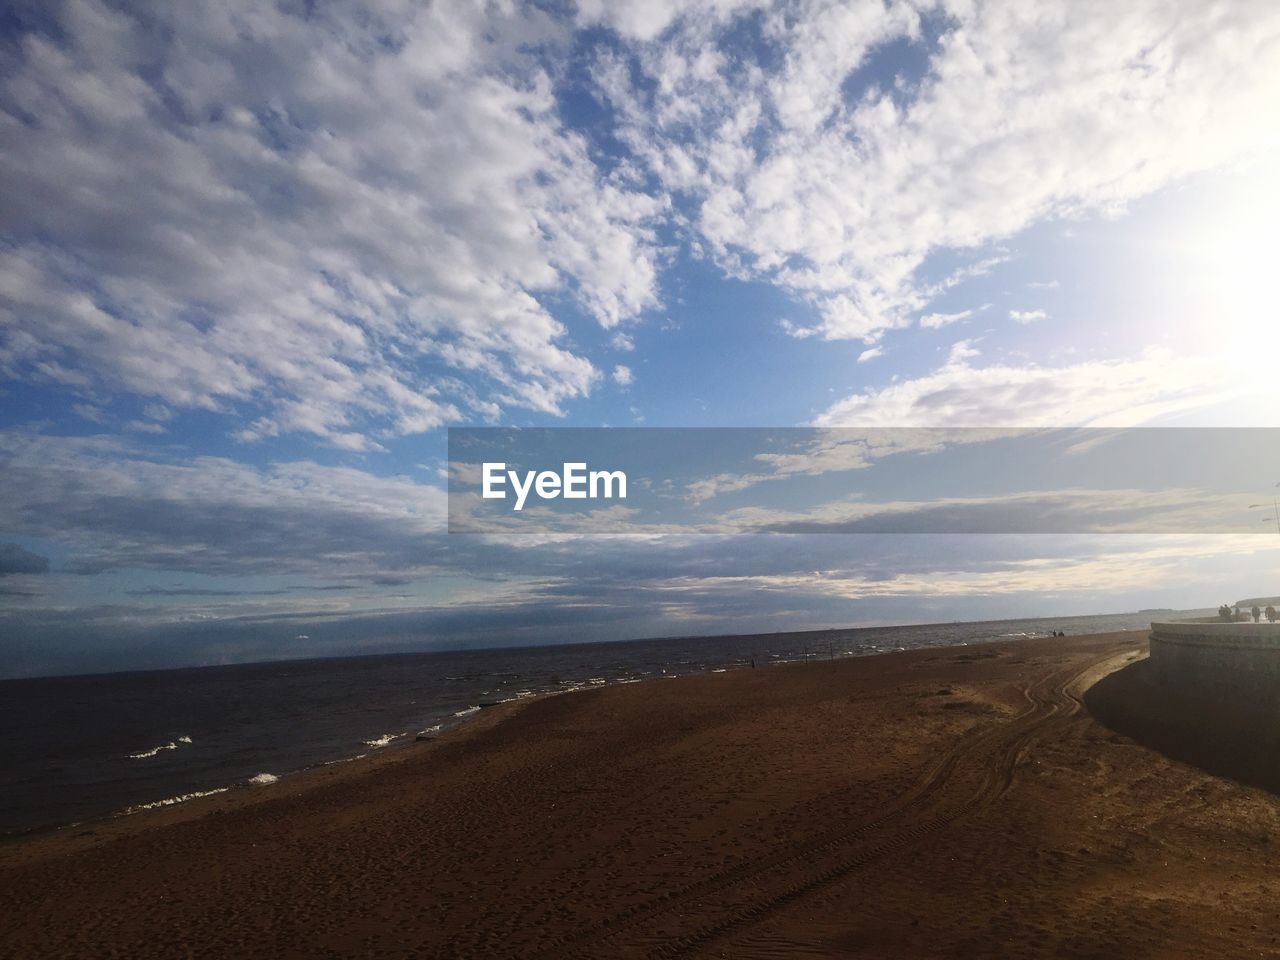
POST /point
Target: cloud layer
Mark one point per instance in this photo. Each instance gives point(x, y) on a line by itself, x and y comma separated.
point(963, 392)
point(822, 161)
point(341, 222)
point(356, 223)
point(349, 223)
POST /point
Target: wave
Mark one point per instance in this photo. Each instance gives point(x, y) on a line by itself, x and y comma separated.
point(171, 745)
point(264, 778)
point(330, 763)
point(383, 740)
point(467, 712)
point(170, 801)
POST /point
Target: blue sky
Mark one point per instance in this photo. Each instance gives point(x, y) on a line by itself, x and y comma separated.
point(256, 258)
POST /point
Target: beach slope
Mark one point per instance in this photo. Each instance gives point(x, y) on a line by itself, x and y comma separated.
point(950, 802)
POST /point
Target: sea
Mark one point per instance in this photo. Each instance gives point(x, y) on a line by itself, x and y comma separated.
point(80, 748)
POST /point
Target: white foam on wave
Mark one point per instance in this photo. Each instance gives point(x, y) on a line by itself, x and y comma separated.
point(171, 745)
point(383, 740)
point(467, 712)
point(330, 763)
point(170, 801)
point(263, 778)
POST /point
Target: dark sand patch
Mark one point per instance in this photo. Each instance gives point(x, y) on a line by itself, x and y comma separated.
point(1227, 735)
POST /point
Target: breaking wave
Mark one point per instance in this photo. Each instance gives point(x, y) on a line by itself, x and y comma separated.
point(170, 801)
point(383, 740)
point(171, 745)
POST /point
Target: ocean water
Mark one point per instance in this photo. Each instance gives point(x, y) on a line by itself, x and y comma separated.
point(84, 747)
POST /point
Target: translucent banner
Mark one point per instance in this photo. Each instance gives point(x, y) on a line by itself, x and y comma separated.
point(650, 481)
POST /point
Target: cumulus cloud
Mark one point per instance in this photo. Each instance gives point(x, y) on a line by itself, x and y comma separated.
point(809, 164)
point(342, 222)
point(358, 223)
point(936, 321)
point(1027, 316)
point(1099, 393)
point(623, 376)
point(646, 21)
point(870, 354)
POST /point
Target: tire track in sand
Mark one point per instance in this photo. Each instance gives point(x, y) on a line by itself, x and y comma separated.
point(744, 894)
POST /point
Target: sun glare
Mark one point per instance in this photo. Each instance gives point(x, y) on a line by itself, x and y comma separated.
point(1235, 251)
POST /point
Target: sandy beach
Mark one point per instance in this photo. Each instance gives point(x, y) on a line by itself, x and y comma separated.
point(950, 802)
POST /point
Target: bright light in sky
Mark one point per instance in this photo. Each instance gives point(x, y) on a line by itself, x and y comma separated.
point(1238, 246)
point(255, 258)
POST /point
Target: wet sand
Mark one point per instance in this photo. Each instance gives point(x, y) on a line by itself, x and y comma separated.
point(956, 802)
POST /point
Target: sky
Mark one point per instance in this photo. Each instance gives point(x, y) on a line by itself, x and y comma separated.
point(256, 259)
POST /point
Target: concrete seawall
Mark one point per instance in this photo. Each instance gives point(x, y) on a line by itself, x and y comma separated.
point(1217, 657)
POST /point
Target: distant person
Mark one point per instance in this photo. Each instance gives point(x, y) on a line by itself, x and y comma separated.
point(1271, 614)
point(1224, 612)
point(1257, 614)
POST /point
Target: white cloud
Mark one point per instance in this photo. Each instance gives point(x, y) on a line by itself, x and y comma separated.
point(623, 376)
point(645, 21)
point(935, 321)
point(365, 231)
point(1027, 112)
point(1099, 393)
point(1027, 316)
point(870, 354)
point(338, 223)
point(87, 411)
point(145, 426)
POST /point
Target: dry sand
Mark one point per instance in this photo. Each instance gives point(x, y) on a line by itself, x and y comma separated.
point(952, 802)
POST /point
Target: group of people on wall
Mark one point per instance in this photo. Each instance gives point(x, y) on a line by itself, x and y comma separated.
point(1239, 616)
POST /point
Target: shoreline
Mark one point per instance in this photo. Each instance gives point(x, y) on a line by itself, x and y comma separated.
point(244, 793)
point(241, 788)
point(934, 802)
